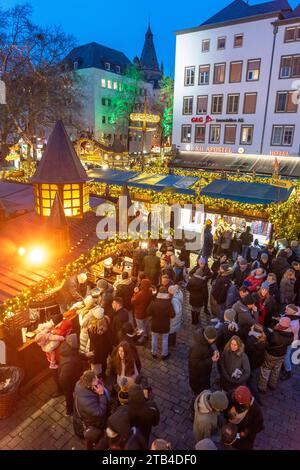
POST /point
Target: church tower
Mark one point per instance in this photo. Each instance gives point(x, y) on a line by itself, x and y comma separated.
point(148, 62)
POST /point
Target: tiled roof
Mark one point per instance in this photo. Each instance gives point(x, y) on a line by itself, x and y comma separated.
point(59, 163)
point(96, 55)
point(239, 9)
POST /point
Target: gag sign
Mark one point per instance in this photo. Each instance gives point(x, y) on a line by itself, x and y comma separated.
point(202, 120)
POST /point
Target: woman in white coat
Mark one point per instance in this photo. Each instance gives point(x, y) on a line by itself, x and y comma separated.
point(177, 303)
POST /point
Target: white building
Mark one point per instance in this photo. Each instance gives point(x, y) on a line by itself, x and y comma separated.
point(235, 81)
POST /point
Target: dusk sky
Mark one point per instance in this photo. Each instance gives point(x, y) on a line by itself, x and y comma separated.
point(122, 24)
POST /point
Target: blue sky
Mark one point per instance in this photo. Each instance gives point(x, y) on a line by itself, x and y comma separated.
point(122, 24)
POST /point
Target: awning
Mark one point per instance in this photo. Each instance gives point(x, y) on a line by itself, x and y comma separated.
point(248, 193)
point(110, 176)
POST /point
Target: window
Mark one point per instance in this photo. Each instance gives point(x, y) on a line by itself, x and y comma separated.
point(290, 67)
point(221, 43)
point(284, 102)
point(292, 34)
point(103, 83)
point(204, 74)
point(282, 135)
point(187, 105)
point(108, 83)
point(250, 103)
point(233, 104)
point(200, 134)
point(230, 134)
point(216, 104)
point(253, 70)
point(108, 102)
point(246, 135)
point(103, 119)
point(118, 69)
point(202, 104)
point(71, 199)
point(107, 66)
point(205, 45)
point(186, 131)
point(115, 85)
point(75, 65)
point(189, 76)
point(235, 74)
point(214, 134)
point(219, 73)
point(103, 101)
point(238, 40)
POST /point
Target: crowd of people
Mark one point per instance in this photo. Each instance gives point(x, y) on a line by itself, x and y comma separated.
point(252, 311)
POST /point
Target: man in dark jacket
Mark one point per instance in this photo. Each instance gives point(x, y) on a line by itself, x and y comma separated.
point(125, 289)
point(197, 287)
point(219, 291)
point(151, 267)
point(278, 341)
point(161, 311)
point(120, 317)
point(222, 258)
point(91, 404)
point(279, 265)
point(208, 241)
point(246, 414)
point(246, 315)
point(241, 271)
point(246, 239)
point(202, 354)
point(69, 370)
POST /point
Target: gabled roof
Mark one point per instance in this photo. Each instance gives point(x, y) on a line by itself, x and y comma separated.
point(59, 163)
point(239, 9)
point(295, 13)
point(96, 55)
point(148, 58)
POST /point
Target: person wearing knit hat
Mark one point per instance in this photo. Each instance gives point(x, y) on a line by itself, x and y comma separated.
point(241, 271)
point(202, 354)
point(208, 406)
point(265, 285)
point(244, 412)
point(69, 369)
point(278, 342)
point(198, 289)
point(266, 304)
point(219, 291)
point(100, 340)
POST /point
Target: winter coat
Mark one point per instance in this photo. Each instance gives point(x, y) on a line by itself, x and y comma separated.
point(151, 268)
point(205, 418)
point(120, 317)
point(198, 289)
point(225, 332)
point(161, 311)
point(274, 292)
point(245, 318)
point(233, 296)
point(84, 340)
point(124, 289)
point(142, 413)
point(229, 362)
point(72, 291)
point(221, 285)
point(100, 341)
point(200, 362)
point(278, 266)
point(267, 308)
point(254, 281)
point(208, 243)
point(278, 342)
point(140, 300)
point(70, 366)
point(239, 276)
point(246, 238)
point(90, 408)
point(251, 424)
point(287, 291)
point(177, 303)
point(137, 260)
point(255, 351)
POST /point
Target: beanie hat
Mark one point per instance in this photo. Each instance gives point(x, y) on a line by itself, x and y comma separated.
point(102, 284)
point(81, 278)
point(210, 332)
point(243, 262)
point(229, 314)
point(88, 301)
point(283, 324)
point(242, 395)
point(202, 260)
point(219, 400)
point(98, 312)
point(265, 285)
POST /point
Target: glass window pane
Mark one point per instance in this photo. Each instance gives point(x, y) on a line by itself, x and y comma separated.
point(67, 194)
point(277, 135)
point(45, 194)
point(46, 212)
point(75, 193)
point(67, 203)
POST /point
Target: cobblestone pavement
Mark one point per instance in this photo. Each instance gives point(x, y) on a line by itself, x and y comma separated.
point(38, 421)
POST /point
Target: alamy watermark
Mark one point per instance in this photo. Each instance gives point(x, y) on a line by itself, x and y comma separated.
point(138, 222)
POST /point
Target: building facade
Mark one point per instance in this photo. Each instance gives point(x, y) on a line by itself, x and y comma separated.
point(101, 77)
point(236, 81)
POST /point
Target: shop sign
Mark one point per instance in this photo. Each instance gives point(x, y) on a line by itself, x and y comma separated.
point(230, 120)
point(203, 148)
point(278, 153)
point(203, 119)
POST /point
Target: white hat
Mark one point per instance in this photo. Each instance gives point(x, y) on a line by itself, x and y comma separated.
point(98, 312)
point(81, 278)
point(88, 301)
